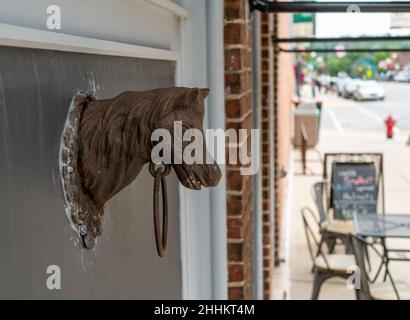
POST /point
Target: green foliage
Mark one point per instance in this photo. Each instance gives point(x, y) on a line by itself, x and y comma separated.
point(337, 64)
point(350, 63)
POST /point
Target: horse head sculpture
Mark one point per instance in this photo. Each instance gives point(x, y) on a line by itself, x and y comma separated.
point(106, 143)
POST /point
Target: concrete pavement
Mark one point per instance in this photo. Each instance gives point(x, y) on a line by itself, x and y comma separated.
point(347, 126)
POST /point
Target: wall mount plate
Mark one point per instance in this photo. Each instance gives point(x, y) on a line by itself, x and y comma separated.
point(78, 202)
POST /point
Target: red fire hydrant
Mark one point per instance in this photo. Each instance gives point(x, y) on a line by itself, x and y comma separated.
point(390, 123)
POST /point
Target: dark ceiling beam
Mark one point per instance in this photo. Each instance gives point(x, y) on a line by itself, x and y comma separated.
point(339, 39)
point(344, 50)
point(318, 7)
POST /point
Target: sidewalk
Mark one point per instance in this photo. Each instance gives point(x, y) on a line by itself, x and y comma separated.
point(294, 277)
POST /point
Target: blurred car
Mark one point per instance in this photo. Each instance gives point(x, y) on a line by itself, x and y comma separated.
point(369, 90)
point(342, 74)
point(390, 75)
point(349, 88)
point(333, 84)
point(324, 80)
point(340, 85)
point(402, 76)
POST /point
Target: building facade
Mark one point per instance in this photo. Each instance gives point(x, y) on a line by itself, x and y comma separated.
point(226, 247)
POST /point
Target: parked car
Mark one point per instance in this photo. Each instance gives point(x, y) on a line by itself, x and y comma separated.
point(324, 79)
point(390, 75)
point(340, 85)
point(369, 90)
point(403, 76)
point(349, 88)
point(333, 84)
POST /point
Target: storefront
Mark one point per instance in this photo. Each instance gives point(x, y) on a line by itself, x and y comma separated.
point(106, 47)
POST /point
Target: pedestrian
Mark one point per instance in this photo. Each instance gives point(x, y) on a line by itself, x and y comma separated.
point(299, 77)
point(313, 85)
point(318, 85)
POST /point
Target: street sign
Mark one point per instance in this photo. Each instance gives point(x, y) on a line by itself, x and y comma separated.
point(303, 24)
point(303, 17)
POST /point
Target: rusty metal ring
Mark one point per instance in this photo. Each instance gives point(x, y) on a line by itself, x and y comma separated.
point(160, 237)
point(159, 169)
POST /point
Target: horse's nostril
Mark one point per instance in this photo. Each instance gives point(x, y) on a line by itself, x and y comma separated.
point(215, 175)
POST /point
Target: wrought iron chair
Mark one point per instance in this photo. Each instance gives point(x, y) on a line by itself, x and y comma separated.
point(336, 230)
point(325, 265)
point(318, 195)
point(368, 290)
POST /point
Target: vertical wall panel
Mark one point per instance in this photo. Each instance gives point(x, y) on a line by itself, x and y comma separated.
point(36, 88)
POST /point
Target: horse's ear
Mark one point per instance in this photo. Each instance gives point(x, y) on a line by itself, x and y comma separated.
point(191, 96)
point(203, 93)
point(194, 99)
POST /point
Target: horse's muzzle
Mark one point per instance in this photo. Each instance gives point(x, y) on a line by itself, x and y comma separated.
point(197, 175)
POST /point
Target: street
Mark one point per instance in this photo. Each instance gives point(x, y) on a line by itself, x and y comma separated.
point(346, 115)
point(348, 126)
point(351, 126)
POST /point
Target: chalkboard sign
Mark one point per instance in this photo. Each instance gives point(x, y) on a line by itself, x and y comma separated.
point(354, 189)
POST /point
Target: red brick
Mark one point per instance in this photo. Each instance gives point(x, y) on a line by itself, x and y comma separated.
point(235, 252)
point(235, 9)
point(266, 41)
point(266, 286)
point(235, 33)
point(237, 204)
point(267, 251)
point(266, 205)
point(239, 107)
point(267, 263)
point(236, 83)
point(236, 293)
point(235, 230)
point(246, 124)
point(233, 59)
point(236, 181)
point(267, 239)
point(236, 273)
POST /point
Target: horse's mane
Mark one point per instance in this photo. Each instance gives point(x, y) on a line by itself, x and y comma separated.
point(115, 135)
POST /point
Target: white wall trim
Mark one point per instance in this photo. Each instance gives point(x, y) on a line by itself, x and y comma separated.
point(286, 239)
point(184, 203)
point(16, 36)
point(216, 119)
point(170, 7)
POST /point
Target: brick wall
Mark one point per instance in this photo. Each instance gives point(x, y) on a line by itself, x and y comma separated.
point(283, 127)
point(267, 149)
point(238, 104)
point(276, 132)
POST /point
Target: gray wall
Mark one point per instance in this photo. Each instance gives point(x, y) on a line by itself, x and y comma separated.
point(36, 87)
point(130, 21)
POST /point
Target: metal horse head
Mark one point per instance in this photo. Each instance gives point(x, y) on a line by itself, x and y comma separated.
point(107, 142)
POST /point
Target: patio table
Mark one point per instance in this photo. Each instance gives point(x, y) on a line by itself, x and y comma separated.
point(384, 226)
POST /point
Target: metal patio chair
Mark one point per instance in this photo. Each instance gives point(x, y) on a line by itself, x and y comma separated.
point(368, 289)
point(325, 265)
point(318, 195)
point(337, 230)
